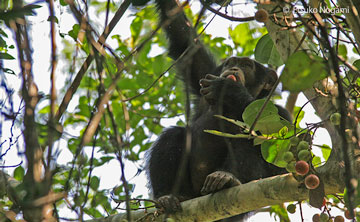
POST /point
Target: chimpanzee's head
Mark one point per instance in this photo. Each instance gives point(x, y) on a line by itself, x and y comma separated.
point(257, 78)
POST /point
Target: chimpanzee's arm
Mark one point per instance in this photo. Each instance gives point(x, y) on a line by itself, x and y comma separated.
point(181, 36)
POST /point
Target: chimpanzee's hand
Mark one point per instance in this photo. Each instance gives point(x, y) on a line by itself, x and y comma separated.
point(169, 203)
point(218, 180)
point(213, 87)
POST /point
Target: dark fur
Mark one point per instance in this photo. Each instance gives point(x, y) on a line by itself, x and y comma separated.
point(227, 161)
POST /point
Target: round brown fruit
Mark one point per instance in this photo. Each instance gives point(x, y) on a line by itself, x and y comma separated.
point(347, 215)
point(232, 77)
point(316, 218)
point(312, 181)
point(339, 219)
point(302, 167)
point(291, 208)
point(261, 15)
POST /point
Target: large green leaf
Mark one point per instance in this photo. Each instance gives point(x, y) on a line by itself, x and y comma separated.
point(243, 36)
point(273, 151)
point(265, 52)
point(301, 71)
point(136, 27)
point(269, 122)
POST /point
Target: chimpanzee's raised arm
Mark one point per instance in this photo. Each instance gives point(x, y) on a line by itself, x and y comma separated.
point(181, 36)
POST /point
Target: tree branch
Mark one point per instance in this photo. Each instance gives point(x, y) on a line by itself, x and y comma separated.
point(75, 84)
point(352, 17)
point(240, 199)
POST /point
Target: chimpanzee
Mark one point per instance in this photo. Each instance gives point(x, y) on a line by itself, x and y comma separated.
point(214, 162)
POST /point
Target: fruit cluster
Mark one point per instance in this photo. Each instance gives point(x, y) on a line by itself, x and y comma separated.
point(298, 162)
point(324, 216)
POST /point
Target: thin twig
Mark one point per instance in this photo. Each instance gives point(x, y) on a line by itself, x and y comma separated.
point(231, 18)
point(75, 84)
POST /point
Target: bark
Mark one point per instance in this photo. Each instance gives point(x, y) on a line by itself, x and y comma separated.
point(241, 199)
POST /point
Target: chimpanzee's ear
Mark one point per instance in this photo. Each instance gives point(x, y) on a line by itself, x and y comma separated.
point(271, 78)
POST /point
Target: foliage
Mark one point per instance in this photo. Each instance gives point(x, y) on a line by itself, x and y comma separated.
point(302, 70)
point(148, 94)
point(266, 52)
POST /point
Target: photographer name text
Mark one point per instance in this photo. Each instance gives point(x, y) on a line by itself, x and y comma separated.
point(319, 10)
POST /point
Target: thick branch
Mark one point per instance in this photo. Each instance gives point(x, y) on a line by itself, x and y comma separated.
point(243, 198)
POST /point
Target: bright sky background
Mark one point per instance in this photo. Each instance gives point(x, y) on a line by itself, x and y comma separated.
point(41, 70)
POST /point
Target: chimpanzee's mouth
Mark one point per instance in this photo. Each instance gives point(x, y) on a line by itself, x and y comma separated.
point(237, 76)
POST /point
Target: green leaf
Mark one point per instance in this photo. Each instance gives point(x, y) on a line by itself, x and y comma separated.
point(4, 4)
point(6, 56)
point(73, 145)
point(3, 33)
point(283, 131)
point(19, 173)
point(229, 135)
point(266, 52)
point(63, 3)
point(13, 14)
point(273, 151)
point(352, 74)
point(2, 43)
point(279, 211)
point(259, 140)
point(117, 190)
point(93, 212)
point(326, 150)
point(94, 182)
point(269, 124)
point(316, 161)
point(298, 116)
point(142, 56)
point(9, 71)
point(159, 64)
point(241, 34)
point(356, 63)
point(301, 71)
point(235, 122)
point(253, 109)
point(135, 28)
point(54, 18)
point(269, 121)
point(75, 31)
point(342, 51)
